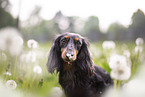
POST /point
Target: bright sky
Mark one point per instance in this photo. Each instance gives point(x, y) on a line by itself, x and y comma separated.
point(108, 11)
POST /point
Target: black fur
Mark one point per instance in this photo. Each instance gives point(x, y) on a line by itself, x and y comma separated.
point(83, 79)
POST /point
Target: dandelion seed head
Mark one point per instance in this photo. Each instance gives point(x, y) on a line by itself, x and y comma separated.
point(7, 73)
point(134, 88)
point(139, 41)
point(63, 23)
point(32, 43)
point(37, 69)
point(11, 40)
point(126, 53)
point(17, 46)
point(31, 56)
point(11, 84)
point(28, 57)
point(108, 45)
point(56, 92)
point(2, 45)
point(121, 72)
point(7, 92)
point(138, 49)
point(111, 93)
point(116, 60)
point(3, 57)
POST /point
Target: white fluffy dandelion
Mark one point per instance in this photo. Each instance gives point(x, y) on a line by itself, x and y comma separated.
point(7, 73)
point(139, 41)
point(32, 43)
point(108, 45)
point(117, 60)
point(138, 49)
point(134, 88)
point(28, 57)
point(17, 46)
point(37, 69)
point(126, 53)
point(31, 56)
point(121, 72)
point(3, 57)
point(2, 44)
point(11, 84)
point(120, 68)
point(11, 40)
point(56, 92)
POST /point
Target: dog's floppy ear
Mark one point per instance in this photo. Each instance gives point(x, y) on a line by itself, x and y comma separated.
point(85, 58)
point(54, 58)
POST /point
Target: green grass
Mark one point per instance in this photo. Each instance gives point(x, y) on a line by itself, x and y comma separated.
point(40, 84)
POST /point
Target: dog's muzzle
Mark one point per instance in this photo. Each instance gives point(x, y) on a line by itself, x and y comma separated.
point(69, 55)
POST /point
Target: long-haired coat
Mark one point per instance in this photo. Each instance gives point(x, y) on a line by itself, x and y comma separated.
point(78, 76)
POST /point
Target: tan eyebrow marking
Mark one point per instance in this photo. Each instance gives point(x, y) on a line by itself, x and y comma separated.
point(76, 39)
point(66, 36)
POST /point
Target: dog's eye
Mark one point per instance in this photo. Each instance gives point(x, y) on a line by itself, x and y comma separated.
point(63, 41)
point(78, 42)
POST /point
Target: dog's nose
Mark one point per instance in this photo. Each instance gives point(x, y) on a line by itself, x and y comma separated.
point(69, 55)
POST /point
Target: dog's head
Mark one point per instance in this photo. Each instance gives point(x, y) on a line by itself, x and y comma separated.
point(70, 44)
point(68, 47)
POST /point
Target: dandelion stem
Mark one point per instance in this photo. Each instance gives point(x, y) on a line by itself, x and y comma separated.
point(15, 67)
point(1, 58)
point(33, 80)
point(119, 83)
point(1, 54)
point(115, 84)
point(29, 73)
point(28, 79)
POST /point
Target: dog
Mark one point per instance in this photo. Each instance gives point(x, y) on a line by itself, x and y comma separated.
point(78, 76)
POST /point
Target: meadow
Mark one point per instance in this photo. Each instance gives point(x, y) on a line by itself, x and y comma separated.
point(24, 71)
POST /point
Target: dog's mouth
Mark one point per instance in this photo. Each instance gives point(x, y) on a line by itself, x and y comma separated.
point(68, 59)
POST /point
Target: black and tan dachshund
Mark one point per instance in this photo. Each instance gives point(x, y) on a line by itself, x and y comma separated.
point(78, 76)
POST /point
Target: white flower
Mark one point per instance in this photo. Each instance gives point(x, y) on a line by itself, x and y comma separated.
point(29, 57)
point(121, 72)
point(126, 53)
point(32, 43)
point(6, 92)
point(3, 57)
point(11, 84)
point(2, 44)
point(108, 45)
point(134, 88)
point(63, 23)
point(117, 60)
point(7, 73)
point(11, 40)
point(56, 92)
point(111, 93)
point(138, 49)
point(17, 46)
point(37, 69)
point(139, 41)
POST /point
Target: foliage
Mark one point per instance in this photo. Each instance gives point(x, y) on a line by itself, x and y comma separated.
point(6, 18)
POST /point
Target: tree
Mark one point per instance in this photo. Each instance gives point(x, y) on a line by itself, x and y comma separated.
point(137, 28)
point(6, 19)
point(117, 31)
point(92, 30)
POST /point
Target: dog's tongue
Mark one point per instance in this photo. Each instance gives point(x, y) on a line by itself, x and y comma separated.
point(69, 63)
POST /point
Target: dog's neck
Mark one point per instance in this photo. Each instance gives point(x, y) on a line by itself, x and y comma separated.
point(67, 65)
